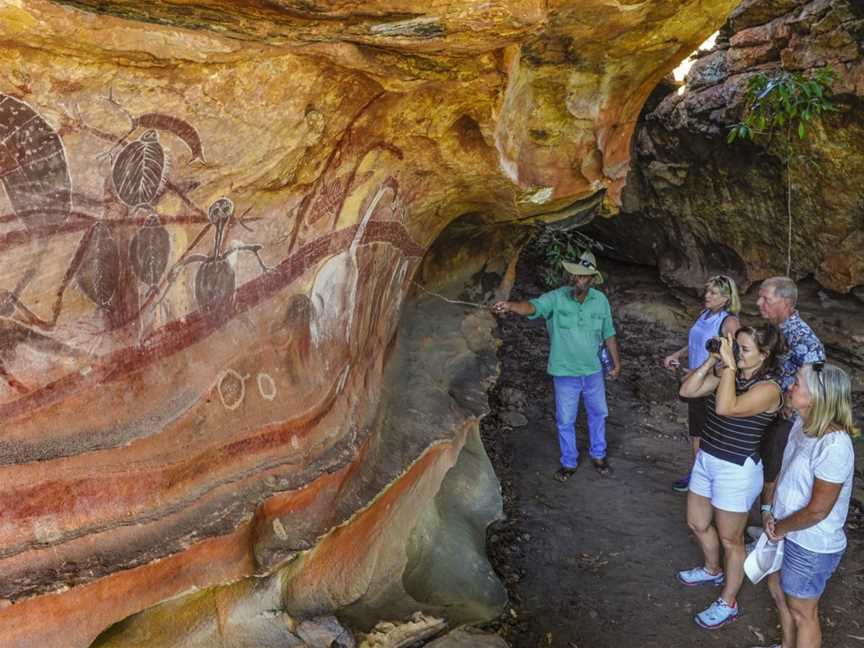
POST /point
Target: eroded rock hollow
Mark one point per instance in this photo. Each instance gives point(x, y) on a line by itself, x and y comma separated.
point(223, 407)
point(695, 205)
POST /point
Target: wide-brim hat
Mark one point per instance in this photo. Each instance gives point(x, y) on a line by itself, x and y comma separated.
point(586, 264)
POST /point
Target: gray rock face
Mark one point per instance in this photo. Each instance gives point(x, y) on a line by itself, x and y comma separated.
point(695, 205)
point(468, 638)
point(514, 419)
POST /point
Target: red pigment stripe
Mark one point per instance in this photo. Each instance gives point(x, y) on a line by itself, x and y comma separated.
point(178, 335)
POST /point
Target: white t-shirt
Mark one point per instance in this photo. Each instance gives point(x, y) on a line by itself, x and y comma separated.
point(830, 459)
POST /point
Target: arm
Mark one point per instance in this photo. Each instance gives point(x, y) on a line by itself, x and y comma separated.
point(761, 398)
point(612, 345)
point(674, 359)
point(764, 397)
point(730, 326)
point(520, 308)
point(821, 502)
point(702, 381)
point(767, 499)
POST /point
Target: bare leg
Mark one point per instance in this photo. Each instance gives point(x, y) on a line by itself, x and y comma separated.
point(730, 528)
point(700, 514)
point(805, 613)
point(787, 623)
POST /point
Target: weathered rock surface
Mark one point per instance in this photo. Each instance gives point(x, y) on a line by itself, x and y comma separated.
point(695, 205)
point(210, 216)
point(468, 638)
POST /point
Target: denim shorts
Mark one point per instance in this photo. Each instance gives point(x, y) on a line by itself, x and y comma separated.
point(805, 573)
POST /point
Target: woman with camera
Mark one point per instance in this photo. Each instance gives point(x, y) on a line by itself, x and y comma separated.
point(811, 499)
point(743, 397)
point(719, 318)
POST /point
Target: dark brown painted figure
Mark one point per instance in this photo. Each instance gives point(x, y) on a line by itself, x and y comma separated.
point(215, 280)
point(33, 168)
point(292, 337)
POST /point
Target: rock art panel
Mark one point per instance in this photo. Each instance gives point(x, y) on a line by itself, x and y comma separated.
point(210, 219)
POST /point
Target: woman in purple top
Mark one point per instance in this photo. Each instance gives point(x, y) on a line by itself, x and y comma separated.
point(719, 318)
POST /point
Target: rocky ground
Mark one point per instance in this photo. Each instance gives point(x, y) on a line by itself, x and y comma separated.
point(590, 563)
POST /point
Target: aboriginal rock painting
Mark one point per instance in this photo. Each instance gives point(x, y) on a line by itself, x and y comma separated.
point(126, 260)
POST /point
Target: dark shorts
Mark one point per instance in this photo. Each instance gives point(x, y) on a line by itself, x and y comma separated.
point(804, 573)
point(772, 446)
point(696, 415)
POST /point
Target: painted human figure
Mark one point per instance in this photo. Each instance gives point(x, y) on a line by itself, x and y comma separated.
point(579, 320)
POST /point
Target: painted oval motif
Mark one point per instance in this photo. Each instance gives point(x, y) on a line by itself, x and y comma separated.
point(139, 170)
point(232, 389)
point(149, 251)
point(33, 168)
point(99, 272)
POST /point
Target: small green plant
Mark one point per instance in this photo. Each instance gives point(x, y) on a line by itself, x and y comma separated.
point(788, 102)
point(785, 100)
point(562, 245)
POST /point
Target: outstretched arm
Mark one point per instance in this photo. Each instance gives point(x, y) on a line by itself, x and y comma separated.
point(520, 308)
point(673, 360)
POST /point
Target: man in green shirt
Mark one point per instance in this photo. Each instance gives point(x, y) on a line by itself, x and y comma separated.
point(579, 320)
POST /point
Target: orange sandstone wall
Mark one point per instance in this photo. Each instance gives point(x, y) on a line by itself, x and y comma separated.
point(210, 215)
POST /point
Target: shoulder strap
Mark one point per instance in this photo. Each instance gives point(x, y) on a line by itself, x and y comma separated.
point(780, 398)
point(722, 322)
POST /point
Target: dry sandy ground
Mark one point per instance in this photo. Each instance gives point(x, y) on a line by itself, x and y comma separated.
point(591, 563)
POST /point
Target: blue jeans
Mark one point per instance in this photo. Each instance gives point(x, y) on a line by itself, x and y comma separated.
point(568, 389)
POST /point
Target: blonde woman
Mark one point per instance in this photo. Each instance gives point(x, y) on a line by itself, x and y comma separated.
point(718, 319)
point(811, 499)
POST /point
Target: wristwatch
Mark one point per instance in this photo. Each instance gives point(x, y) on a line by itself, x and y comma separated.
point(766, 508)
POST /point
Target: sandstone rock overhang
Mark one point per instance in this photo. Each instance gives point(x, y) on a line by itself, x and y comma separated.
point(210, 216)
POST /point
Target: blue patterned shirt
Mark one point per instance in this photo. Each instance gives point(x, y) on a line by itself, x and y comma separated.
point(804, 348)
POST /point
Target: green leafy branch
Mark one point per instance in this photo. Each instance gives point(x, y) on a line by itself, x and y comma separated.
point(786, 99)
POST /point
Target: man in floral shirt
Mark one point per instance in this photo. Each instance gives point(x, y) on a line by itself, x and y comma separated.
point(778, 297)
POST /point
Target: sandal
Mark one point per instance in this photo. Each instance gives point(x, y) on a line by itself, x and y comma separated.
point(563, 474)
point(602, 467)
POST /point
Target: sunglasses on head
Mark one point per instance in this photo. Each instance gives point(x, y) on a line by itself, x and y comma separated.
point(818, 367)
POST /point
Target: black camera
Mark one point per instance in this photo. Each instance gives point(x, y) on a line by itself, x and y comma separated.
point(713, 346)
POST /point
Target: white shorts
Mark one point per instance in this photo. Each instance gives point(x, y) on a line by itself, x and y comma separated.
point(730, 487)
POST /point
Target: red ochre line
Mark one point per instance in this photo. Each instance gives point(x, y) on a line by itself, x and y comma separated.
point(180, 334)
point(85, 221)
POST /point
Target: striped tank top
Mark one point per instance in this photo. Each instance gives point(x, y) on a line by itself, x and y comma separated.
point(734, 438)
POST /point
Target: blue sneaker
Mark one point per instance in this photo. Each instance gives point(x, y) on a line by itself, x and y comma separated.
point(682, 485)
point(699, 576)
point(716, 615)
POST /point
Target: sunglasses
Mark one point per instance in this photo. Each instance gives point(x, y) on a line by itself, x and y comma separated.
point(586, 264)
point(818, 367)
